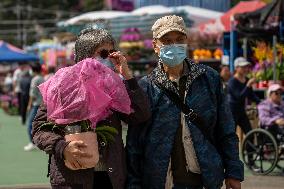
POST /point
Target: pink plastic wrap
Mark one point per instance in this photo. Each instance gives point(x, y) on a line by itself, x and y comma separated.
point(87, 90)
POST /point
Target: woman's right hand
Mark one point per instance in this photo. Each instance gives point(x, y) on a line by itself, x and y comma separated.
point(73, 152)
point(251, 82)
point(280, 122)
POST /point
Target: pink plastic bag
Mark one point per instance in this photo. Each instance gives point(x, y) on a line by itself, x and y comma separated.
point(87, 90)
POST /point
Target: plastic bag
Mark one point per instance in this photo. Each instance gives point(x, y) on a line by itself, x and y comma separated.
point(87, 90)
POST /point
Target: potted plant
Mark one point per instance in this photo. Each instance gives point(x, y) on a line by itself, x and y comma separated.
point(77, 98)
point(82, 131)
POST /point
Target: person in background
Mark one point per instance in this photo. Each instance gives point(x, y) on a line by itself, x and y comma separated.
point(225, 76)
point(17, 76)
point(271, 110)
point(25, 96)
point(8, 83)
point(239, 90)
point(34, 101)
point(51, 71)
point(189, 146)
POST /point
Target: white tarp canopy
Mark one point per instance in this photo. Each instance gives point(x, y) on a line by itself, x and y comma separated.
point(197, 15)
point(92, 16)
point(150, 10)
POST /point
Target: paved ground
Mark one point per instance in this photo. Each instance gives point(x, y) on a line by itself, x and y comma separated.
point(24, 170)
point(251, 182)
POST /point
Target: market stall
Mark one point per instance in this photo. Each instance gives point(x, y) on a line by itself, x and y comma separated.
point(9, 57)
point(211, 35)
point(10, 53)
point(263, 29)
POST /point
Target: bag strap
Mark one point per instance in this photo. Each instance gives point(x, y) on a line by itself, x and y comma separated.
point(188, 112)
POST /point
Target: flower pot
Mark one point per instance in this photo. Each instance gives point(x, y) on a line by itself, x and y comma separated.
point(263, 84)
point(90, 139)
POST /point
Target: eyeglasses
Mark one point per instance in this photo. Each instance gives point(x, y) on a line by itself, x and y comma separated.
point(104, 53)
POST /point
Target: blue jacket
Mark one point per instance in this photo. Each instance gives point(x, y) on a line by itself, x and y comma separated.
point(149, 145)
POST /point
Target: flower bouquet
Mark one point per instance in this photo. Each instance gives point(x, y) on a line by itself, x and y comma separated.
point(77, 98)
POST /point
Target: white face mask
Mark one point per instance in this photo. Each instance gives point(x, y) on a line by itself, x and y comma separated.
point(173, 54)
point(105, 62)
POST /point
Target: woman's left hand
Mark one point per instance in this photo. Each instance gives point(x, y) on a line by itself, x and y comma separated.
point(120, 64)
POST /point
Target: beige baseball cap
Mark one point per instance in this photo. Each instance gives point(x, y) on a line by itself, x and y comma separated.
point(167, 24)
point(240, 62)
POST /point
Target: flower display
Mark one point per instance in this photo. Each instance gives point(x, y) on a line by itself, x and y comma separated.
point(263, 65)
point(199, 54)
point(134, 45)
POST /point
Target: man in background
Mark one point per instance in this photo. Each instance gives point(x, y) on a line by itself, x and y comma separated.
point(17, 76)
point(225, 75)
point(25, 83)
point(34, 101)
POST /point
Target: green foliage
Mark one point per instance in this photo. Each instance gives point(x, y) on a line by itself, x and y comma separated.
point(267, 74)
point(92, 5)
point(280, 71)
point(106, 133)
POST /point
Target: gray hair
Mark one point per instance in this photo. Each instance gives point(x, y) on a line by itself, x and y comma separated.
point(89, 40)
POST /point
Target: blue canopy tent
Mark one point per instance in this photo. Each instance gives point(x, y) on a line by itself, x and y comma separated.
point(10, 53)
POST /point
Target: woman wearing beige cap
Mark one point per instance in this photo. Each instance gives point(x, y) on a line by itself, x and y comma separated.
point(190, 141)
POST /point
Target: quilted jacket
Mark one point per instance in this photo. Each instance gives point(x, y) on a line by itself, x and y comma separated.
point(149, 146)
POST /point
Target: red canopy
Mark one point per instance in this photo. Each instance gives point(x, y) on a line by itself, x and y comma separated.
point(223, 23)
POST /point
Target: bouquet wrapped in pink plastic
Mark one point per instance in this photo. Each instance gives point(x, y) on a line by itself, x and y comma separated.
point(86, 91)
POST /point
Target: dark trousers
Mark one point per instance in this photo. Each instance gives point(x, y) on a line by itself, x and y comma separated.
point(24, 105)
point(181, 186)
point(241, 119)
point(102, 180)
point(19, 97)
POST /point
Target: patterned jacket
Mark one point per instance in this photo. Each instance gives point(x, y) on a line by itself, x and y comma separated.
point(149, 146)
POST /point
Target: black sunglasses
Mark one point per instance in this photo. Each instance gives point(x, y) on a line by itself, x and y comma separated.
point(104, 53)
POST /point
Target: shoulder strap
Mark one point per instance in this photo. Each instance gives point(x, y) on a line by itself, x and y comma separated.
point(188, 112)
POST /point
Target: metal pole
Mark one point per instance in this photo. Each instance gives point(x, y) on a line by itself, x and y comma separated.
point(18, 21)
point(232, 43)
point(274, 57)
point(245, 47)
